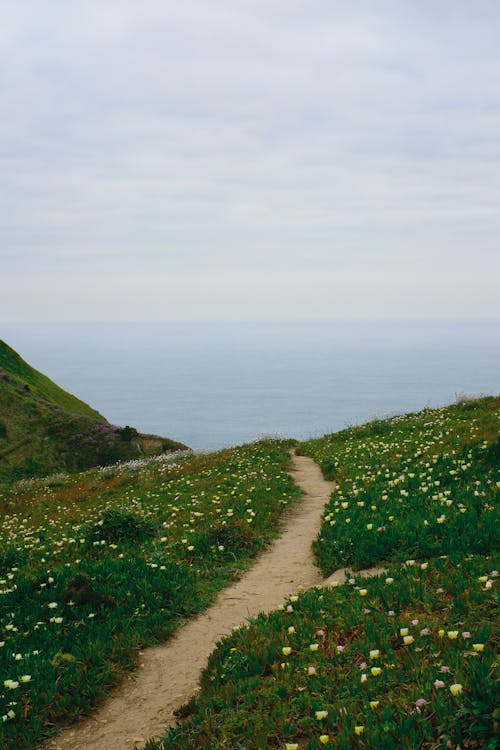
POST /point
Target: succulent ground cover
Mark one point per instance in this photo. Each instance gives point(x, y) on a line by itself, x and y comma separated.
point(412, 486)
point(94, 566)
point(404, 660)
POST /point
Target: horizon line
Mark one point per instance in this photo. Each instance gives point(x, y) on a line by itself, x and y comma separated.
point(249, 321)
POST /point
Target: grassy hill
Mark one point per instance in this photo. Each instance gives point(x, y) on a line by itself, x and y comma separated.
point(94, 566)
point(408, 659)
point(44, 429)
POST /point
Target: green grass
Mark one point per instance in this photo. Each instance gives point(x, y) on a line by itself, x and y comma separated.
point(264, 684)
point(97, 565)
point(404, 660)
point(414, 486)
point(22, 374)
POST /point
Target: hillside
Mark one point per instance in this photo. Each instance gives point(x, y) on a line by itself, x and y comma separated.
point(94, 566)
point(44, 429)
point(406, 659)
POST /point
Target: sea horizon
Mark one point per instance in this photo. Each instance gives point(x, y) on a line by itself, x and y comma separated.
point(211, 384)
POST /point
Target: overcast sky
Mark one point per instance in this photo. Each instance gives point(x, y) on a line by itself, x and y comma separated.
point(249, 159)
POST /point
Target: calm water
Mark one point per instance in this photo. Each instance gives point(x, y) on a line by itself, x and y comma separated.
point(216, 384)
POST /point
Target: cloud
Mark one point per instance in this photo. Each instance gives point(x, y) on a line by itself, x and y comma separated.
point(145, 142)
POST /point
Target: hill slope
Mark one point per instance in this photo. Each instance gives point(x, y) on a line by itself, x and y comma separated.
point(44, 429)
point(406, 660)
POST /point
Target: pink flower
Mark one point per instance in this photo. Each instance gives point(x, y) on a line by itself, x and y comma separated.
point(444, 669)
point(439, 591)
point(363, 666)
point(438, 683)
point(420, 702)
point(340, 649)
point(466, 634)
point(425, 631)
point(415, 622)
point(320, 632)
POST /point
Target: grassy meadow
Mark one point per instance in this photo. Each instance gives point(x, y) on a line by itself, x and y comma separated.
point(407, 659)
point(94, 566)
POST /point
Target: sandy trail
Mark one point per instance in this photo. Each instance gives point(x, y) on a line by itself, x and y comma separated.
point(144, 705)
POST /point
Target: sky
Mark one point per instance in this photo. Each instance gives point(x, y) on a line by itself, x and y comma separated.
point(249, 159)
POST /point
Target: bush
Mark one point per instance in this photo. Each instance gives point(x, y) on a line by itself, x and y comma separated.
point(121, 526)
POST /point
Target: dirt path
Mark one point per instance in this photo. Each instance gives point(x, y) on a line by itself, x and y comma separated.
point(168, 675)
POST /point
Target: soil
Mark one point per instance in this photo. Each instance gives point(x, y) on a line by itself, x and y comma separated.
point(168, 675)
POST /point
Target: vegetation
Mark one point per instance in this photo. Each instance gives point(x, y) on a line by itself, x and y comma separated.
point(97, 565)
point(419, 486)
point(44, 429)
point(403, 660)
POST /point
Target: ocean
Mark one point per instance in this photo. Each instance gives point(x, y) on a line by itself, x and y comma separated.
point(212, 384)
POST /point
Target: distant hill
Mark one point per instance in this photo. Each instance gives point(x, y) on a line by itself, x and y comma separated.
point(45, 429)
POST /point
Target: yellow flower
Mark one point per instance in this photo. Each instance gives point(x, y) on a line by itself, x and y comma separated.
point(321, 715)
point(313, 647)
point(408, 639)
point(403, 631)
point(324, 739)
point(291, 746)
point(456, 689)
point(452, 634)
point(374, 704)
point(286, 650)
point(363, 592)
point(374, 653)
point(359, 729)
point(440, 633)
point(375, 671)
point(478, 646)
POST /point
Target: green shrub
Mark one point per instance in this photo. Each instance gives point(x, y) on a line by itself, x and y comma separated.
point(121, 526)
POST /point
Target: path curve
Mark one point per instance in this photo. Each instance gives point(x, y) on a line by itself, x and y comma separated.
point(168, 675)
